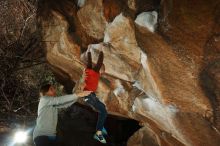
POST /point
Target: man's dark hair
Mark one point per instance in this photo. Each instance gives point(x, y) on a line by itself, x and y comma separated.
point(44, 88)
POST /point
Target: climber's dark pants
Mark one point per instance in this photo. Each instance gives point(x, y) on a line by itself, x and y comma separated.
point(45, 141)
point(93, 101)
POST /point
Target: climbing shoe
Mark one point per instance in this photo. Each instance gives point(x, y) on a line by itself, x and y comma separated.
point(100, 138)
point(104, 131)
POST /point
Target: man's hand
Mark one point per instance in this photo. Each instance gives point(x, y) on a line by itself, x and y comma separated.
point(83, 93)
point(80, 85)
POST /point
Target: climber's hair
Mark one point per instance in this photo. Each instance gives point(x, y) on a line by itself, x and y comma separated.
point(44, 89)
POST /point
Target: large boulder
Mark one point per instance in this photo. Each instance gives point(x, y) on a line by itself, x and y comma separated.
point(167, 79)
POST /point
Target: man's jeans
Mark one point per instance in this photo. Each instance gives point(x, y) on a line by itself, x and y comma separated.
point(93, 101)
point(45, 141)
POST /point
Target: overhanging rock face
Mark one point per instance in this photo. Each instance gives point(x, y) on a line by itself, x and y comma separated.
point(77, 127)
point(167, 78)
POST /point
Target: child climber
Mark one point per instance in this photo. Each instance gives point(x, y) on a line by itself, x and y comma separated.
point(91, 84)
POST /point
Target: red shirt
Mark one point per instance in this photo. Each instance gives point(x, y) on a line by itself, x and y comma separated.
point(91, 80)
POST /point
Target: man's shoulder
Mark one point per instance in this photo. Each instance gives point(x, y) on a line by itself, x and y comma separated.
point(44, 98)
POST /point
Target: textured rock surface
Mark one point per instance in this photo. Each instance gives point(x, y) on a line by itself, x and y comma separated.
point(168, 80)
point(91, 18)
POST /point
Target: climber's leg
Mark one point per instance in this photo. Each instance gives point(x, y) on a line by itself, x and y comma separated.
point(93, 101)
point(99, 62)
point(89, 61)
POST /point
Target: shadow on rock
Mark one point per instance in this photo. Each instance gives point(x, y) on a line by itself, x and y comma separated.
point(77, 124)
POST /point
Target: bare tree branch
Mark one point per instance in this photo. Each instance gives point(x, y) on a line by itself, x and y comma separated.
point(24, 106)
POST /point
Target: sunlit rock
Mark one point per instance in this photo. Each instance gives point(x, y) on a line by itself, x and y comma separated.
point(143, 137)
point(168, 80)
point(91, 18)
point(112, 8)
point(132, 4)
point(120, 35)
point(81, 3)
point(62, 52)
point(148, 20)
